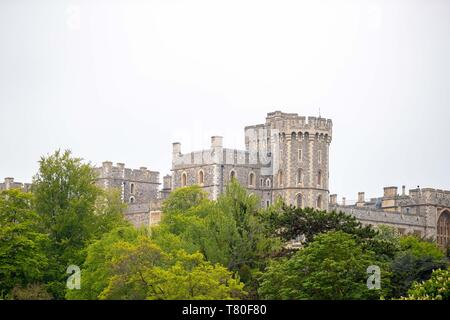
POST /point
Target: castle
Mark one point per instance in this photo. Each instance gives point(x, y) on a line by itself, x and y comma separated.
point(286, 157)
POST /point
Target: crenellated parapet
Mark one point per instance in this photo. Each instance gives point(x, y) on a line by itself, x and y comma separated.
point(109, 171)
point(9, 183)
point(291, 126)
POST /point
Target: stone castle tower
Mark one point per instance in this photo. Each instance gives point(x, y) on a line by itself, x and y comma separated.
point(287, 157)
point(299, 148)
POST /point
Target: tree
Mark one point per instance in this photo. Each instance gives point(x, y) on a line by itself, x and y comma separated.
point(182, 199)
point(127, 264)
point(289, 222)
point(332, 266)
point(69, 205)
point(435, 288)
point(22, 258)
point(230, 231)
point(414, 263)
point(96, 270)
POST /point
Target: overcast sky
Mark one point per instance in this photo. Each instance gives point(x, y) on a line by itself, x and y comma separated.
point(122, 80)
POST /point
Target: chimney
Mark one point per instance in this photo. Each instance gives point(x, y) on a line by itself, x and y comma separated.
point(176, 148)
point(403, 190)
point(361, 199)
point(216, 142)
point(167, 182)
point(390, 192)
point(107, 164)
point(120, 165)
point(8, 183)
point(333, 199)
point(343, 201)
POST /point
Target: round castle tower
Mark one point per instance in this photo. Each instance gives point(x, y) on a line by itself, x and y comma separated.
point(300, 158)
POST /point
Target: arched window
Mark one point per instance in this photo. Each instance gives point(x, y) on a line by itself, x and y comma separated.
point(184, 179)
point(299, 176)
point(443, 230)
point(299, 201)
point(268, 183)
point(251, 179)
point(261, 182)
point(280, 178)
point(132, 199)
point(232, 174)
point(319, 202)
point(319, 178)
point(201, 177)
point(132, 188)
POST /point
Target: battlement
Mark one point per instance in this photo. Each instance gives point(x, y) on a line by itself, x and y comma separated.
point(291, 123)
point(109, 171)
point(9, 183)
point(392, 200)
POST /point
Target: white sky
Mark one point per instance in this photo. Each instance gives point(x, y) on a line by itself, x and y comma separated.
point(122, 80)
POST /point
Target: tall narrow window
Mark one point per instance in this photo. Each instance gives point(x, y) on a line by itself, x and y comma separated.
point(132, 188)
point(299, 201)
point(320, 156)
point(300, 155)
point(251, 179)
point(183, 180)
point(201, 177)
point(280, 178)
point(299, 176)
point(319, 178)
point(319, 202)
point(232, 175)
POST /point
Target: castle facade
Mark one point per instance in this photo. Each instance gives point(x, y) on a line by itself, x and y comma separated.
point(285, 157)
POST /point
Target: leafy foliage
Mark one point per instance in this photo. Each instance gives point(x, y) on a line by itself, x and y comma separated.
point(73, 211)
point(126, 264)
point(230, 231)
point(415, 263)
point(290, 222)
point(332, 266)
point(22, 258)
point(435, 288)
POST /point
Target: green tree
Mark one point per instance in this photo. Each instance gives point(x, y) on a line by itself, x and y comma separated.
point(73, 211)
point(96, 269)
point(435, 288)
point(415, 262)
point(22, 258)
point(332, 266)
point(127, 264)
point(229, 231)
point(289, 222)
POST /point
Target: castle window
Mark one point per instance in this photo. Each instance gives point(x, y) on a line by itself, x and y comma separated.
point(320, 156)
point(251, 179)
point(300, 155)
point(184, 179)
point(319, 202)
point(261, 182)
point(319, 178)
point(268, 183)
point(132, 199)
point(299, 176)
point(201, 177)
point(132, 188)
point(232, 175)
point(280, 178)
point(268, 203)
point(299, 201)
